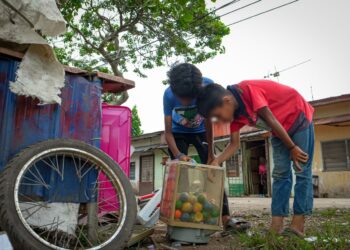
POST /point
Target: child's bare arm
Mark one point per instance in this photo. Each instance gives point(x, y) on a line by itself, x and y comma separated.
point(169, 137)
point(230, 150)
point(296, 153)
point(209, 134)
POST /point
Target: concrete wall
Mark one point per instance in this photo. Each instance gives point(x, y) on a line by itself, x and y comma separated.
point(158, 168)
point(135, 183)
point(333, 183)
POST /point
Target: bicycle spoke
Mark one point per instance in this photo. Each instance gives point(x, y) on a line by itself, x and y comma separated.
point(30, 215)
point(38, 179)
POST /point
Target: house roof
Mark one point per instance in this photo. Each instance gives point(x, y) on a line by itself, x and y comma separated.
point(332, 120)
point(110, 83)
point(150, 147)
point(330, 100)
point(148, 135)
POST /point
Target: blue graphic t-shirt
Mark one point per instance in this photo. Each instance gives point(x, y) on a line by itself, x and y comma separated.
point(185, 118)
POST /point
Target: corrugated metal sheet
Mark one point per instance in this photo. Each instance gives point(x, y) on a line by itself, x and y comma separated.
point(221, 129)
point(23, 122)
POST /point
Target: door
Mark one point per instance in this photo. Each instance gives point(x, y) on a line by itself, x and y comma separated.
point(146, 174)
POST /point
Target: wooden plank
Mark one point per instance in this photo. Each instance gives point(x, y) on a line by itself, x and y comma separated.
point(12, 53)
point(139, 233)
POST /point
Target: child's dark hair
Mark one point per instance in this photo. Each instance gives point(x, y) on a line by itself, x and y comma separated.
point(185, 80)
point(210, 98)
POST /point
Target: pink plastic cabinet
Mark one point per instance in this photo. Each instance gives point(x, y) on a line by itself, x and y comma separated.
point(115, 141)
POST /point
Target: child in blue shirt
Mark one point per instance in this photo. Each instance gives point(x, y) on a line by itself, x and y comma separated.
point(184, 125)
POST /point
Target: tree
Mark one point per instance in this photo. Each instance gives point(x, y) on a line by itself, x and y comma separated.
point(136, 123)
point(137, 34)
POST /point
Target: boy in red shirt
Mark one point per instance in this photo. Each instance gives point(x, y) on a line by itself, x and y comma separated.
point(282, 110)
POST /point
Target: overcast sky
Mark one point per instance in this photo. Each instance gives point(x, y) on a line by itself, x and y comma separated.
point(308, 29)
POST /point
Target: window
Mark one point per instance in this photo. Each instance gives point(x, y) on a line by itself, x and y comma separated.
point(336, 155)
point(232, 165)
point(132, 170)
point(147, 165)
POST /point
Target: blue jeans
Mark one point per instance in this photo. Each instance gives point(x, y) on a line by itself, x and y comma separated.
point(283, 179)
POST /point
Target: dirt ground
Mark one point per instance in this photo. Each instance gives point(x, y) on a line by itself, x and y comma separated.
point(328, 228)
point(238, 205)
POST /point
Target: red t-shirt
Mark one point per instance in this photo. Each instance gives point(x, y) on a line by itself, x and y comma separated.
point(262, 169)
point(286, 104)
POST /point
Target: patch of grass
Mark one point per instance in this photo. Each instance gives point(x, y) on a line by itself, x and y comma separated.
point(330, 229)
point(330, 212)
point(272, 241)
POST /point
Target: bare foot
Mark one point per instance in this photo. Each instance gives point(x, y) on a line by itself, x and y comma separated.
point(298, 223)
point(225, 218)
point(277, 224)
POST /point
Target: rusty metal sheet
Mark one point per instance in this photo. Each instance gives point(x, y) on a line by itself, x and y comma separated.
point(23, 122)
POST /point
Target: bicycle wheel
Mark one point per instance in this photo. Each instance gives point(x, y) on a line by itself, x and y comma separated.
point(53, 196)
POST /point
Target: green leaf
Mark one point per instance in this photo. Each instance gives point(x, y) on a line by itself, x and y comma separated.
point(137, 35)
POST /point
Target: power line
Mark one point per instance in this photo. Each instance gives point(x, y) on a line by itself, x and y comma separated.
point(197, 19)
point(240, 8)
point(231, 24)
point(261, 13)
point(216, 9)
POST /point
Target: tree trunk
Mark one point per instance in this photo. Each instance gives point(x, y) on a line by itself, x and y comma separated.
point(122, 97)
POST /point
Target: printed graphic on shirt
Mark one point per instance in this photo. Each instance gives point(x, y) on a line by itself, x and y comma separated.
point(187, 116)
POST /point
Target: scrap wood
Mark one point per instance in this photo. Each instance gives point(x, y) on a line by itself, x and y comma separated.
point(139, 233)
point(167, 247)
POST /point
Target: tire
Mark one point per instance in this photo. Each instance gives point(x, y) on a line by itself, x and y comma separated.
point(20, 237)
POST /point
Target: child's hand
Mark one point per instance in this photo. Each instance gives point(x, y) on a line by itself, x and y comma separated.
point(214, 162)
point(298, 155)
point(185, 158)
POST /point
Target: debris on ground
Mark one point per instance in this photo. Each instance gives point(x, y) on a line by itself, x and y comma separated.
point(325, 229)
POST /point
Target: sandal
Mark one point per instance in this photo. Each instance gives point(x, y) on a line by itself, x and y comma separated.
point(236, 225)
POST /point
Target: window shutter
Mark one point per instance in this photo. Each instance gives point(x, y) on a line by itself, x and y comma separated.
point(132, 170)
point(335, 155)
point(147, 168)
